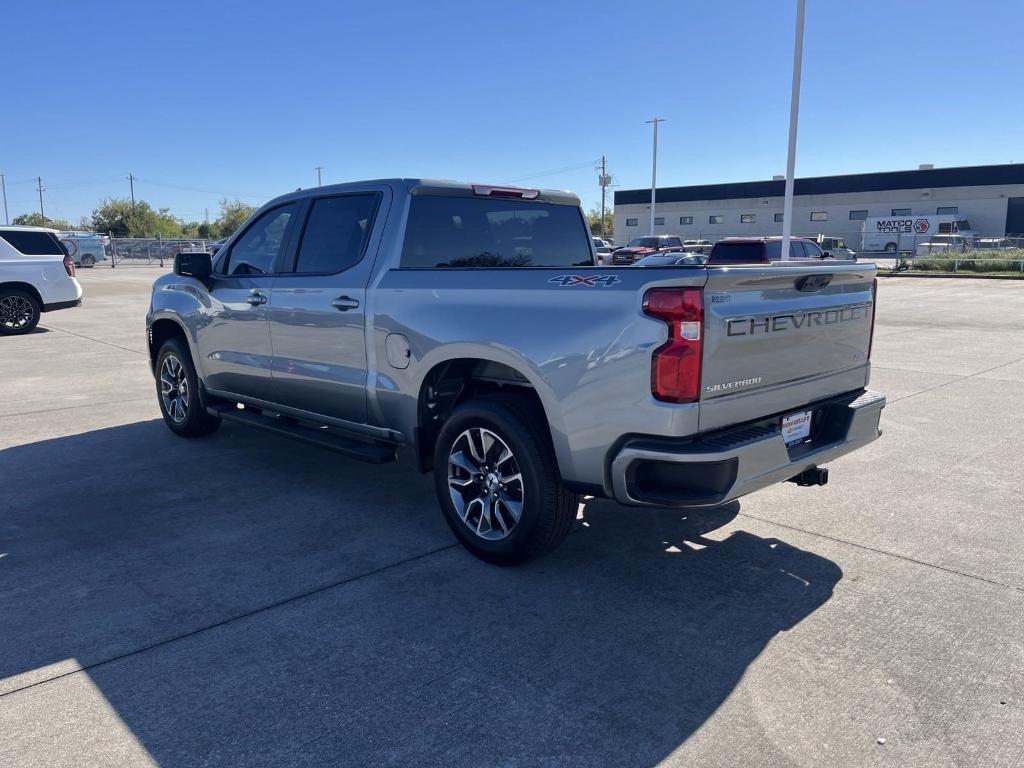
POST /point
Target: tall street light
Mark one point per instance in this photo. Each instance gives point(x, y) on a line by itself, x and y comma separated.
point(654, 165)
point(794, 111)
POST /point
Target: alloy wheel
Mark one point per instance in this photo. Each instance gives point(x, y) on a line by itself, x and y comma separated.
point(174, 388)
point(16, 312)
point(485, 483)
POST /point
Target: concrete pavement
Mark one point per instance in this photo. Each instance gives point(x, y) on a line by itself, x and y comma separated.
point(244, 600)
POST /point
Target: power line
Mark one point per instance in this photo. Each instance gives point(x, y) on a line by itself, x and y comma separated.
point(555, 171)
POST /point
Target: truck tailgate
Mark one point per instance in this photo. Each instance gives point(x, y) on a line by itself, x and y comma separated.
point(780, 336)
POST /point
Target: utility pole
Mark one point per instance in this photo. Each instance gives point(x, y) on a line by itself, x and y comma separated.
point(605, 181)
point(39, 182)
point(654, 164)
point(319, 181)
point(3, 186)
point(794, 111)
point(206, 216)
point(131, 186)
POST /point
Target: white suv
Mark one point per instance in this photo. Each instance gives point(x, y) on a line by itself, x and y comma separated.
point(36, 275)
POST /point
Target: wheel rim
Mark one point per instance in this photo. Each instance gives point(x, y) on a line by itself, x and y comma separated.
point(174, 388)
point(485, 484)
point(16, 312)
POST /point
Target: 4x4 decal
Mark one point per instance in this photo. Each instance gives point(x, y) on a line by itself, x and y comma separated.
point(590, 281)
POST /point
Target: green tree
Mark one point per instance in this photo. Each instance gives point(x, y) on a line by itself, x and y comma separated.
point(594, 220)
point(232, 214)
point(123, 218)
point(38, 220)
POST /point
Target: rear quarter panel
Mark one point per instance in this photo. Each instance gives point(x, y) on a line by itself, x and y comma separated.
point(584, 345)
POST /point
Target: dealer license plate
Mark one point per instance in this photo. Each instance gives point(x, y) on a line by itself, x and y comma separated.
point(796, 427)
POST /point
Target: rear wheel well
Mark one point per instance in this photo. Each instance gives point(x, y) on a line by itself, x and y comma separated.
point(453, 382)
point(159, 332)
point(26, 287)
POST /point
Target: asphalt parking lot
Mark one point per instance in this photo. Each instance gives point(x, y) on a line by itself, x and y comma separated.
point(244, 600)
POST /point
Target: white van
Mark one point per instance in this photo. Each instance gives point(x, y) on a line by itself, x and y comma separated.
point(889, 233)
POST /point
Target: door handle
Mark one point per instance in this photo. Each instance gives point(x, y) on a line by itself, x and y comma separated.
point(256, 298)
point(344, 303)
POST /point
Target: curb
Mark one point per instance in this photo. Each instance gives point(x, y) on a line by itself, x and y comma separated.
point(961, 275)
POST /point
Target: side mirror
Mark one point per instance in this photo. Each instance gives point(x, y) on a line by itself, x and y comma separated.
point(197, 265)
point(826, 255)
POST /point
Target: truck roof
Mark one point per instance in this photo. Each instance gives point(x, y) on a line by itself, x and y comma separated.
point(441, 187)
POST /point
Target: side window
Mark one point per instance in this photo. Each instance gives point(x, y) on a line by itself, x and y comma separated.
point(259, 250)
point(674, 242)
point(336, 233)
point(33, 243)
point(812, 249)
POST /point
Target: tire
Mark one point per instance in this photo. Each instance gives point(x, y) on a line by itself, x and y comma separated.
point(546, 509)
point(19, 312)
point(88, 261)
point(890, 247)
point(177, 392)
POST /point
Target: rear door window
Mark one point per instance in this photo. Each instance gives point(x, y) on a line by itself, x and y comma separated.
point(486, 232)
point(259, 251)
point(32, 243)
point(336, 233)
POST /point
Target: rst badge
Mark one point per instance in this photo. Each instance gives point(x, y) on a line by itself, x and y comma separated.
point(588, 281)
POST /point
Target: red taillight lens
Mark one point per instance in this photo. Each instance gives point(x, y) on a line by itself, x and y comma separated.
point(675, 365)
point(69, 266)
point(874, 305)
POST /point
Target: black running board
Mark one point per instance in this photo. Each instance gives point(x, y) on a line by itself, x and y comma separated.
point(325, 437)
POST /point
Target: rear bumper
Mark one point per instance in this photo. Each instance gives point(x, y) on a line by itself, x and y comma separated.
point(61, 305)
point(729, 463)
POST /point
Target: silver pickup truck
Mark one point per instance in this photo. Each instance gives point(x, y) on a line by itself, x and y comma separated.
point(471, 324)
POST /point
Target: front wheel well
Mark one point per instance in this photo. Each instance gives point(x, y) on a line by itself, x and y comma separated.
point(453, 382)
point(159, 332)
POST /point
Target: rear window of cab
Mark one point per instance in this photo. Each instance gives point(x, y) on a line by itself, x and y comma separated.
point(451, 231)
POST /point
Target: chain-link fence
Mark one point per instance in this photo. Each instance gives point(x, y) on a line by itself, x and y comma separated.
point(133, 251)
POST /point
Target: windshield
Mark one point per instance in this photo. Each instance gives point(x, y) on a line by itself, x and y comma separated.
point(643, 242)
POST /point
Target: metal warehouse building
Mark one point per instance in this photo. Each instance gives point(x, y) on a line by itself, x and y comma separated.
point(990, 196)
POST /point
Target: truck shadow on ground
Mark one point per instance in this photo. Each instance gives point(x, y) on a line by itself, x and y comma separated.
point(241, 600)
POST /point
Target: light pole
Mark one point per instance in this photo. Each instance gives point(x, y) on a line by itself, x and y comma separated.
point(794, 112)
point(319, 181)
point(3, 186)
point(654, 165)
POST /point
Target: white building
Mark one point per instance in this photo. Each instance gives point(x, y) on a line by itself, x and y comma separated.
point(990, 196)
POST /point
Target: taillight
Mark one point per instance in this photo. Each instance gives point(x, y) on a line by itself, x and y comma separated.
point(874, 305)
point(675, 365)
point(69, 266)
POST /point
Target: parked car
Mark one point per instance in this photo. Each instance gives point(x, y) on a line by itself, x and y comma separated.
point(763, 250)
point(603, 248)
point(86, 248)
point(215, 245)
point(36, 275)
point(672, 260)
point(835, 247)
point(521, 382)
point(639, 247)
point(698, 246)
point(996, 244)
point(943, 244)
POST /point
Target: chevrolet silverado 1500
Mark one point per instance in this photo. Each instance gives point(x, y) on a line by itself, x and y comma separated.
point(471, 324)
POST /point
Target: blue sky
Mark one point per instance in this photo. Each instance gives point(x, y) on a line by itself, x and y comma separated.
point(206, 100)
